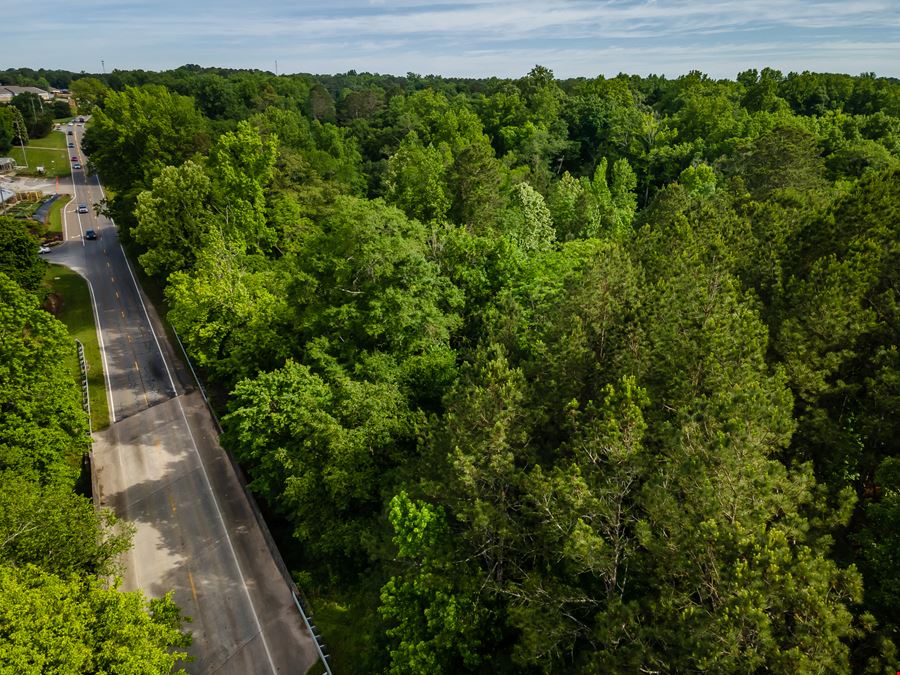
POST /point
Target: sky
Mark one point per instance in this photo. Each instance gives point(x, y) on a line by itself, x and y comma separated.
point(468, 38)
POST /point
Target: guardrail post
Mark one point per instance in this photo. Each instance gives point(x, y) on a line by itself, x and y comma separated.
point(85, 394)
point(310, 626)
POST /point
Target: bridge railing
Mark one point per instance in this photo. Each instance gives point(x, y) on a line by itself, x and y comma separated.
point(296, 593)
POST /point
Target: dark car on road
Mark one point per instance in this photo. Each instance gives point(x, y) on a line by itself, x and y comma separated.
point(90, 234)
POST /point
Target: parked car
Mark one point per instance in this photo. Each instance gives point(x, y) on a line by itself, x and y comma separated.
point(83, 208)
point(90, 234)
point(44, 249)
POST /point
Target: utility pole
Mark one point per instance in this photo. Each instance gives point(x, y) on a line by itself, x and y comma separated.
point(19, 123)
point(102, 66)
point(276, 67)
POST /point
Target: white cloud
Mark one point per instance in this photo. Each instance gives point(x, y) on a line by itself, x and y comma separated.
point(472, 37)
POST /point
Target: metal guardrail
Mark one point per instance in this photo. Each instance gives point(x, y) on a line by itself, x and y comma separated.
point(311, 627)
point(85, 394)
point(296, 594)
point(88, 458)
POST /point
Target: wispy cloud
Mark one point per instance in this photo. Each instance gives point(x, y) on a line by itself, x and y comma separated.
point(466, 37)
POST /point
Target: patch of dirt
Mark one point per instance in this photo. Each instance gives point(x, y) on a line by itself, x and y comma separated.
point(53, 303)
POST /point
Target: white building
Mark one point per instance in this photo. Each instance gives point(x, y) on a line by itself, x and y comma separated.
point(8, 91)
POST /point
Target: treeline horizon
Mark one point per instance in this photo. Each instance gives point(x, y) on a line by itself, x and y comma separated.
point(543, 375)
point(26, 76)
point(53, 78)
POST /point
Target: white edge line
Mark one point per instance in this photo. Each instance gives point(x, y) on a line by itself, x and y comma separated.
point(65, 224)
point(80, 228)
point(149, 323)
point(112, 410)
point(137, 288)
point(77, 215)
point(237, 564)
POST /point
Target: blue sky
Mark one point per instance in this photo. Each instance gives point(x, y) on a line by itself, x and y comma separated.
point(464, 38)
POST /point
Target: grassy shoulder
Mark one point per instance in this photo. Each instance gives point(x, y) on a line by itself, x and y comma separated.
point(54, 221)
point(50, 152)
point(70, 301)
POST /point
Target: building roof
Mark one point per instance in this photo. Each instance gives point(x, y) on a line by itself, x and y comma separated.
point(10, 90)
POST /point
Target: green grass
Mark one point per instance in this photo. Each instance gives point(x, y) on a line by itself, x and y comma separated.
point(76, 312)
point(55, 139)
point(50, 152)
point(54, 223)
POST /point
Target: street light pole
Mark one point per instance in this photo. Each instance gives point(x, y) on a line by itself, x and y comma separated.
point(19, 123)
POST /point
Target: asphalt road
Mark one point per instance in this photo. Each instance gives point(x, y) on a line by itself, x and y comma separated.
point(160, 466)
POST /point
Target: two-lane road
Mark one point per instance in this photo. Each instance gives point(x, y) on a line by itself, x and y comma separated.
point(135, 374)
point(160, 467)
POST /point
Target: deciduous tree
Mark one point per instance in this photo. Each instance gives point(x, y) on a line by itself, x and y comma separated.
point(53, 623)
point(43, 429)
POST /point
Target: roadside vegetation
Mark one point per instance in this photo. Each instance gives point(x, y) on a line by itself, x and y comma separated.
point(42, 218)
point(57, 551)
point(25, 210)
point(540, 375)
point(67, 297)
point(55, 221)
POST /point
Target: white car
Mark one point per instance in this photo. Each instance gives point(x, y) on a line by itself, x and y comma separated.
point(83, 208)
point(44, 249)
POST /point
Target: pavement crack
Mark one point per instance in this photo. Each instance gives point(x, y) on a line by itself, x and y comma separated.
point(235, 652)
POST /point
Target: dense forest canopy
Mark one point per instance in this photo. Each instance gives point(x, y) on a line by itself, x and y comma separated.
point(593, 375)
